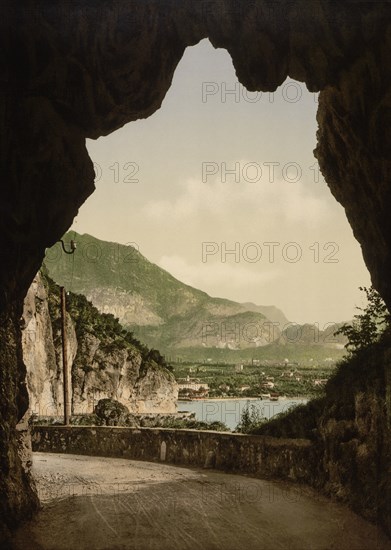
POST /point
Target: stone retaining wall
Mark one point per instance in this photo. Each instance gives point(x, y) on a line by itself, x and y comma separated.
point(268, 457)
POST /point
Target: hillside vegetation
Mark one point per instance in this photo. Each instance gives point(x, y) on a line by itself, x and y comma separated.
point(176, 318)
point(104, 358)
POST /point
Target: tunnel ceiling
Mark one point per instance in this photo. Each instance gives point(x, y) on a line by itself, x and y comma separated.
point(83, 69)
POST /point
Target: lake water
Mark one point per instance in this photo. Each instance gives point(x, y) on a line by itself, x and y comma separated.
point(230, 411)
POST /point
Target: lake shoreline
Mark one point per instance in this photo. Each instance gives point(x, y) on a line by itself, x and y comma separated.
point(280, 398)
point(229, 411)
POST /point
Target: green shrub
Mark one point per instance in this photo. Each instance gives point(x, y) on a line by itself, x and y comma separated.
point(251, 419)
point(368, 326)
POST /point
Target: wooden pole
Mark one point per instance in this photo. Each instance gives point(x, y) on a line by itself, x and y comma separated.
point(65, 359)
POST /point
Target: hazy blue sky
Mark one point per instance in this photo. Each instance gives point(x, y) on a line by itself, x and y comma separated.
point(185, 214)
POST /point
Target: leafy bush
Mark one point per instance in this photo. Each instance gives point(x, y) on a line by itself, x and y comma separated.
point(368, 326)
point(251, 419)
point(113, 413)
point(296, 421)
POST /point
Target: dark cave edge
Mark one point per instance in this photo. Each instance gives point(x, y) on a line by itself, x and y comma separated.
point(18, 497)
point(351, 427)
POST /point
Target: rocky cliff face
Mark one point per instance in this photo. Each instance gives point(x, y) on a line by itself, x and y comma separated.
point(100, 367)
point(153, 391)
point(44, 374)
point(130, 309)
point(355, 434)
point(18, 499)
point(351, 430)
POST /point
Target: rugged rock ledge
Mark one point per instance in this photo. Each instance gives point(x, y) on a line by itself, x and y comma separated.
point(102, 365)
point(350, 427)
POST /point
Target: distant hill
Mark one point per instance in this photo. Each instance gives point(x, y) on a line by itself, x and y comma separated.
point(161, 311)
point(271, 312)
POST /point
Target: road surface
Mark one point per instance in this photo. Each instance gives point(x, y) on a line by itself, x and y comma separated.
point(91, 503)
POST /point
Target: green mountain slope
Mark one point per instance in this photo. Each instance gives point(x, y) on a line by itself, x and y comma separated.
point(165, 311)
point(108, 271)
point(160, 310)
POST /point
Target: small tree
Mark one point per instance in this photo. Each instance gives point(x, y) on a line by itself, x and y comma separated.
point(368, 326)
point(251, 418)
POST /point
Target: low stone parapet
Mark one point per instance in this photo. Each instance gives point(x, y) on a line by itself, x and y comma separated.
point(263, 456)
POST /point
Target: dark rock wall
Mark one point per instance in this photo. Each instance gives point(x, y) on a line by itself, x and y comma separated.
point(350, 425)
point(355, 434)
point(81, 69)
point(354, 144)
point(85, 69)
point(17, 497)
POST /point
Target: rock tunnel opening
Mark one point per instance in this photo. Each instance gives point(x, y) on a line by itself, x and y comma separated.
point(87, 88)
point(236, 175)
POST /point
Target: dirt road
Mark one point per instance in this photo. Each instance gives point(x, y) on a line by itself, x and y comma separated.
point(94, 503)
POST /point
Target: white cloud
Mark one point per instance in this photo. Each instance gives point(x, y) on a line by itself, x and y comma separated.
point(263, 201)
point(220, 279)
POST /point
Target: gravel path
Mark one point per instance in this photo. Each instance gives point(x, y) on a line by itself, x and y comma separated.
point(113, 504)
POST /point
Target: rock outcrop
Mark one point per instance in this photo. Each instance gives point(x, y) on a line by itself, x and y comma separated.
point(350, 427)
point(39, 353)
point(101, 366)
point(18, 499)
point(153, 391)
point(77, 70)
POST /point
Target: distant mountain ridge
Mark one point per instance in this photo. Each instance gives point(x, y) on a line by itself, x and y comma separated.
point(271, 312)
point(161, 310)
